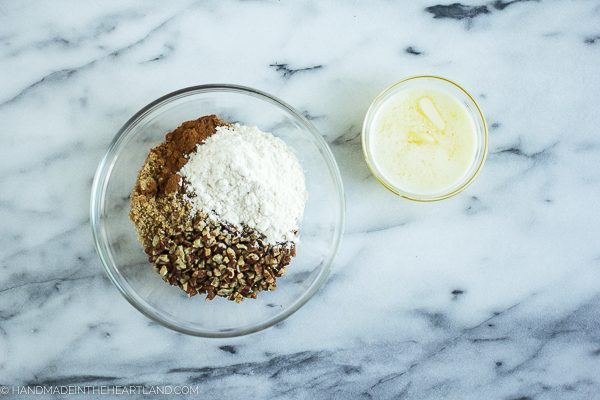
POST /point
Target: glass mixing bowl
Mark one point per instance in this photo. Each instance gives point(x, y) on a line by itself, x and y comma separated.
point(123, 256)
point(445, 86)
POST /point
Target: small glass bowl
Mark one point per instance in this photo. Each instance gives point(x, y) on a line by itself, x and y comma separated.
point(451, 88)
point(123, 256)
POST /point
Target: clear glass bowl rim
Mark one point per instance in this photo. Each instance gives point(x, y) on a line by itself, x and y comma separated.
point(98, 197)
point(412, 196)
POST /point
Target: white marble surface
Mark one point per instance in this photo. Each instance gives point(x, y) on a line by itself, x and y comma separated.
point(492, 294)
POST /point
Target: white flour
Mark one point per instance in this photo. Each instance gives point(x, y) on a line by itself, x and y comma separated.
point(242, 175)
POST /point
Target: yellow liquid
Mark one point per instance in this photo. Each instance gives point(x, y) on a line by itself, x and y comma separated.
point(423, 141)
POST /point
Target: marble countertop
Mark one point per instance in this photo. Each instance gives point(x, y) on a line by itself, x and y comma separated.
point(492, 294)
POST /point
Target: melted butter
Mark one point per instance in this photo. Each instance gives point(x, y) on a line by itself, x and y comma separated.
point(423, 141)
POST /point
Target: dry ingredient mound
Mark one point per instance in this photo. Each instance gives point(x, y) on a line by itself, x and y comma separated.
point(244, 176)
point(219, 217)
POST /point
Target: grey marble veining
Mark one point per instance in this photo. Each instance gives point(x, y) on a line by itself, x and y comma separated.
point(492, 294)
